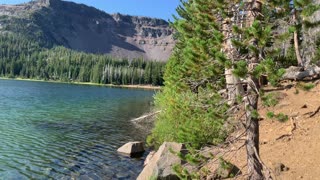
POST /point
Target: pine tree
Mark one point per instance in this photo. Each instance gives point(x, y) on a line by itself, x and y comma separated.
point(251, 101)
point(302, 10)
point(192, 110)
point(296, 14)
point(212, 36)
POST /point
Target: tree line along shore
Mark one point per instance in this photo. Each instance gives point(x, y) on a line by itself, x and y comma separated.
point(25, 59)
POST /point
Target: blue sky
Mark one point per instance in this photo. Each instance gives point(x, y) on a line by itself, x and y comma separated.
point(152, 8)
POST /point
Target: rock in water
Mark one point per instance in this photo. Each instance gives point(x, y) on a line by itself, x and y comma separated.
point(132, 148)
point(160, 165)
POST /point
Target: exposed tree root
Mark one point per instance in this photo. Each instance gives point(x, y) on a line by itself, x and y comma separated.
point(293, 128)
point(315, 112)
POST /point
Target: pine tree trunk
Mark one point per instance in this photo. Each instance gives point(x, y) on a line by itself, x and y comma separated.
point(233, 83)
point(296, 41)
point(251, 104)
point(234, 86)
point(252, 125)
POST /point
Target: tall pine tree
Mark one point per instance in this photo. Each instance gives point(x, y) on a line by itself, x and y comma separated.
point(192, 110)
point(214, 35)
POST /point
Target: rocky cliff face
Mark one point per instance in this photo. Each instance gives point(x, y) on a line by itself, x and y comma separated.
point(87, 29)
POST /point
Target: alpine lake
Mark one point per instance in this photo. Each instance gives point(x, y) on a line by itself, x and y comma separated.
point(65, 131)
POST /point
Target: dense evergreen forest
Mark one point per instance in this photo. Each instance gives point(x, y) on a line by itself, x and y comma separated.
point(21, 57)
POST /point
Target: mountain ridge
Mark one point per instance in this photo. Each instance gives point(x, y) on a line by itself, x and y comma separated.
point(83, 28)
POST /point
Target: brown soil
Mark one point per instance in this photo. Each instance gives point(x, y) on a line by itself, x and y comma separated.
point(295, 143)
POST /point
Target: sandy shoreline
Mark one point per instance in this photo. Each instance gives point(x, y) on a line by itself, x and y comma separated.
point(147, 87)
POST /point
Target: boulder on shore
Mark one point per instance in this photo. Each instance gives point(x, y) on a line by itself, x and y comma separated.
point(148, 158)
point(161, 164)
point(132, 148)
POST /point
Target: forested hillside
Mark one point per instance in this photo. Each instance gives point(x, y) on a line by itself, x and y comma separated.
point(64, 41)
point(87, 29)
point(20, 57)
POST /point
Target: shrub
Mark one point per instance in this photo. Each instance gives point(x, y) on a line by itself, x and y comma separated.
point(187, 117)
point(269, 100)
point(279, 117)
point(306, 86)
point(282, 117)
point(270, 115)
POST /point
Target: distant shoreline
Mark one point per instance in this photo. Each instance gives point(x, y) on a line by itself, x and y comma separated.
point(147, 87)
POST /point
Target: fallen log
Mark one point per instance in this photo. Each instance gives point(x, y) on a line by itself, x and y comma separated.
point(298, 73)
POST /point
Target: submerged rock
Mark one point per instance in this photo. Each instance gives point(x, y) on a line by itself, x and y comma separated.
point(132, 148)
point(161, 163)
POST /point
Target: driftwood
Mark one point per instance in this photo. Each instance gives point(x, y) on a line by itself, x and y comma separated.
point(297, 73)
point(141, 118)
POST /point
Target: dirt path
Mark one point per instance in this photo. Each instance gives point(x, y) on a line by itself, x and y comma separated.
point(297, 147)
point(299, 151)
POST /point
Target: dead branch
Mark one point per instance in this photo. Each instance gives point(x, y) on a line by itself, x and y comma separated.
point(308, 113)
point(283, 136)
point(293, 125)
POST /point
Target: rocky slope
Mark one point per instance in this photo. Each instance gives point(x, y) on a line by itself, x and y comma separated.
point(83, 28)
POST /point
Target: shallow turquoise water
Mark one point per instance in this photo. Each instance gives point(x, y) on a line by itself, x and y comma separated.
point(62, 131)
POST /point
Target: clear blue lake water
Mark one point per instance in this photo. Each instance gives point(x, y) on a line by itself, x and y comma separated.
point(64, 131)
